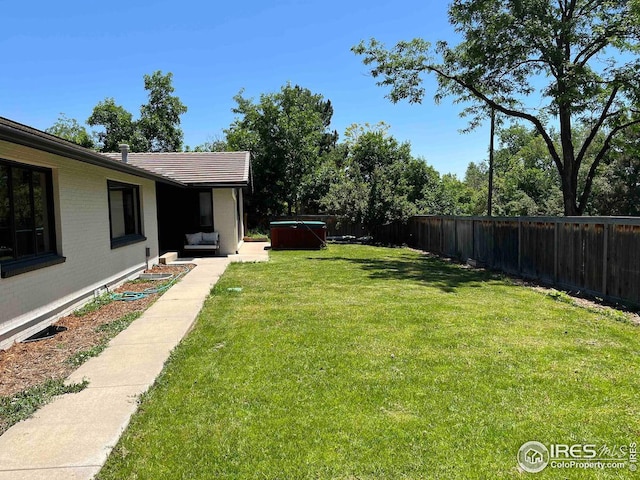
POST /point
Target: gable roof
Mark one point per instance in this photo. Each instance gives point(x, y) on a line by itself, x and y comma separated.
point(204, 169)
point(20, 134)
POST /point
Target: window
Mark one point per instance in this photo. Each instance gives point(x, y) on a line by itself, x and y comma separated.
point(206, 208)
point(27, 226)
point(124, 214)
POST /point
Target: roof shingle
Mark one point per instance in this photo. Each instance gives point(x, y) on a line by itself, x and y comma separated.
point(195, 168)
point(18, 133)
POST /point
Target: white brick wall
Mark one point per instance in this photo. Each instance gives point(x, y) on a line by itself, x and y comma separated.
point(82, 229)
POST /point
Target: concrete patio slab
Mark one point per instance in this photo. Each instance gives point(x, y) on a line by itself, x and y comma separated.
point(187, 307)
point(47, 435)
point(252, 252)
point(71, 437)
point(121, 365)
point(194, 292)
point(158, 329)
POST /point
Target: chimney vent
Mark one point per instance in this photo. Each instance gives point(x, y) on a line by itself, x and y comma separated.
point(124, 149)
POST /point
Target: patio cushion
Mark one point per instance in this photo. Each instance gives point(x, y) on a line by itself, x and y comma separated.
point(210, 238)
point(194, 238)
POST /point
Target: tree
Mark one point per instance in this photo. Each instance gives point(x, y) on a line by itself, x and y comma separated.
point(119, 127)
point(476, 181)
point(316, 185)
point(70, 129)
point(456, 197)
point(157, 130)
point(286, 132)
point(378, 181)
point(617, 190)
point(159, 120)
point(526, 181)
point(212, 145)
point(347, 197)
point(516, 54)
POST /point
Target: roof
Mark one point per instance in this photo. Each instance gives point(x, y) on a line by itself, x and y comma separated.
point(205, 169)
point(18, 133)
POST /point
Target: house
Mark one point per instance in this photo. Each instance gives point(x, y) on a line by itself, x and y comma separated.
point(73, 221)
point(208, 199)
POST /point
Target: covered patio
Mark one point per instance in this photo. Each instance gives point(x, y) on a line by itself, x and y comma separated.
point(211, 201)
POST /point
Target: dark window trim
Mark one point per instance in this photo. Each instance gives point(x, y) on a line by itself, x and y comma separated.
point(33, 259)
point(131, 238)
point(213, 217)
point(127, 240)
point(17, 267)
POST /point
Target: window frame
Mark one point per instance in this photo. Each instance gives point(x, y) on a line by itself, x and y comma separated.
point(128, 238)
point(36, 260)
point(211, 225)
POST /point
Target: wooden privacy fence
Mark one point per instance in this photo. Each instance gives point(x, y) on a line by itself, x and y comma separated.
point(597, 255)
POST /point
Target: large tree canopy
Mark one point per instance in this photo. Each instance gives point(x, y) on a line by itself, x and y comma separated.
point(160, 117)
point(119, 127)
point(378, 181)
point(70, 129)
point(558, 64)
point(286, 132)
point(157, 130)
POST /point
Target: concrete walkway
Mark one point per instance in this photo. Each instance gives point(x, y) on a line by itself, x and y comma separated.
point(71, 437)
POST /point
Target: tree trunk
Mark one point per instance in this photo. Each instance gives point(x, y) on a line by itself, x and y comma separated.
point(569, 196)
point(490, 193)
point(571, 167)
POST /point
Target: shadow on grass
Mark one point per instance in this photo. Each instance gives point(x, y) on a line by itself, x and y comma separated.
point(425, 269)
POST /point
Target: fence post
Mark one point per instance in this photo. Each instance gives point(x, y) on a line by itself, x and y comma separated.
point(556, 227)
point(494, 244)
point(473, 238)
point(442, 235)
point(455, 237)
point(605, 257)
point(519, 244)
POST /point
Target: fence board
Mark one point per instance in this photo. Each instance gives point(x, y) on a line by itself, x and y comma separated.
point(599, 255)
point(449, 237)
point(580, 253)
point(465, 239)
point(505, 249)
point(537, 250)
point(623, 266)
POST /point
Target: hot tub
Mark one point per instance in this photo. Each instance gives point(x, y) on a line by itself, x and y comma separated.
point(298, 235)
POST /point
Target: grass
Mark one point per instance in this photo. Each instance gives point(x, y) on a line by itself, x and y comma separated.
point(358, 362)
point(94, 305)
point(21, 405)
point(258, 233)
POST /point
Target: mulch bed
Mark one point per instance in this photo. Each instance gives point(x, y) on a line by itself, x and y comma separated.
point(25, 365)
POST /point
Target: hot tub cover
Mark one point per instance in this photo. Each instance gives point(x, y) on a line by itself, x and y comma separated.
point(295, 223)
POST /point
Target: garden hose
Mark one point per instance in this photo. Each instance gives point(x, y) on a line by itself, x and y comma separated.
point(132, 296)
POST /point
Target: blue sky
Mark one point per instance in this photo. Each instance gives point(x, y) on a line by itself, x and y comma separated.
point(67, 56)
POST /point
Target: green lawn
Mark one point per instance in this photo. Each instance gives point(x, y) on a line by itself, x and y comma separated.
point(361, 362)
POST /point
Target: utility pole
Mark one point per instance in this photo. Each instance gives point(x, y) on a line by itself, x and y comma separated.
point(493, 131)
